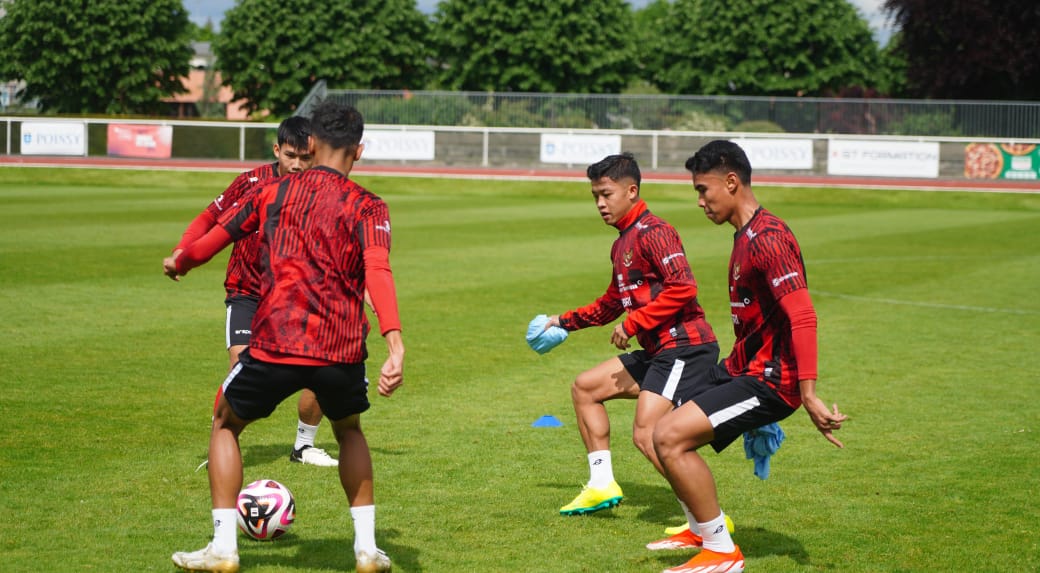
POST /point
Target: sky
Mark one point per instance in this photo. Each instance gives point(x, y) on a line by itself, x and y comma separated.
point(202, 10)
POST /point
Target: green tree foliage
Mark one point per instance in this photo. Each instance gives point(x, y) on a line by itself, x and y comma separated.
point(575, 46)
point(103, 56)
point(650, 44)
point(765, 47)
point(272, 51)
point(977, 49)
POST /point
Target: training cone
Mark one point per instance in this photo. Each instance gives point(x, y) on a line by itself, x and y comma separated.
point(547, 421)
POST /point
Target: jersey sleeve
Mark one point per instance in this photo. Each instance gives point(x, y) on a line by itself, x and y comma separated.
point(663, 251)
point(800, 312)
point(780, 262)
point(601, 311)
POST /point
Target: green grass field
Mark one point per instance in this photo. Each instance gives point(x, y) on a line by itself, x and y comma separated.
point(929, 331)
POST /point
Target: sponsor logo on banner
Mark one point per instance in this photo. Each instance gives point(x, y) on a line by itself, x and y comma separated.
point(403, 145)
point(883, 158)
point(778, 153)
point(149, 141)
point(1004, 161)
point(580, 149)
point(66, 138)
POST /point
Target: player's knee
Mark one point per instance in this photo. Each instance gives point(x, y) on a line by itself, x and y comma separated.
point(643, 438)
point(587, 386)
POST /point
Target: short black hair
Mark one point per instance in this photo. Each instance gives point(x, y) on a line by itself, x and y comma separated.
point(294, 131)
point(338, 124)
point(615, 168)
point(721, 155)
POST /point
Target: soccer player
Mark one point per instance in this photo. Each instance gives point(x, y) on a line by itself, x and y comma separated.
point(324, 239)
point(242, 284)
point(772, 368)
point(651, 280)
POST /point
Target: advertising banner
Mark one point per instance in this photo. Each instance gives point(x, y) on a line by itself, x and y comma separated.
point(150, 141)
point(883, 158)
point(1003, 161)
point(578, 149)
point(778, 153)
point(403, 145)
point(46, 138)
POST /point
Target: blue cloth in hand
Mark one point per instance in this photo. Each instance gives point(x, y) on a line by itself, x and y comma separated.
point(760, 444)
point(542, 339)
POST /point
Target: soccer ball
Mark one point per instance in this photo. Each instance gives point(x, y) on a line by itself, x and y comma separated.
point(266, 510)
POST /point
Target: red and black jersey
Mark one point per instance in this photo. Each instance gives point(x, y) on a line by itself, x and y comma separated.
point(653, 282)
point(243, 275)
point(317, 229)
point(766, 265)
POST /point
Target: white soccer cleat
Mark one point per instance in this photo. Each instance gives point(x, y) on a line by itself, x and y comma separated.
point(377, 562)
point(206, 560)
point(313, 456)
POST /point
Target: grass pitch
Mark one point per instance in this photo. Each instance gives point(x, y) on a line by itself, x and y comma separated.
point(928, 336)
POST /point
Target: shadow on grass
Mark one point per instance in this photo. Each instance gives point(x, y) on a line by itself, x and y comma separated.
point(328, 553)
point(255, 455)
point(657, 505)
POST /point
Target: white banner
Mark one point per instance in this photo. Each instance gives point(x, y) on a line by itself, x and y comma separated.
point(66, 138)
point(883, 158)
point(578, 149)
point(413, 145)
point(778, 153)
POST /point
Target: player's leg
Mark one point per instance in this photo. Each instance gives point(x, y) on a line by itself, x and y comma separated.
point(251, 390)
point(304, 451)
point(608, 380)
point(650, 408)
point(341, 390)
point(677, 437)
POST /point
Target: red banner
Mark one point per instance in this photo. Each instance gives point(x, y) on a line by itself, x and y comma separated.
point(150, 141)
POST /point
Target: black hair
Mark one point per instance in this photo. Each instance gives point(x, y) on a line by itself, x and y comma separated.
point(615, 168)
point(294, 131)
point(337, 124)
point(721, 155)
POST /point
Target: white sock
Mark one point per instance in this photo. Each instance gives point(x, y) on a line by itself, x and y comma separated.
point(601, 472)
point(364, 528)
point(225, 531)
point(689, 516)
point(305, 435)
point(716, 536)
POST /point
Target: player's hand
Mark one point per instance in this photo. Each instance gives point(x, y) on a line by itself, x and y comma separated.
point(170, 265)
point(391, 375)
point(554, 320)
point(826, 421)
point(619, 338)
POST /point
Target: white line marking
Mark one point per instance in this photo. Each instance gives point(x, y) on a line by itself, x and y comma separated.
point(929, 304)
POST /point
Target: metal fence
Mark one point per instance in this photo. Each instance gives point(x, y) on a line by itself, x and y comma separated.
point(839, 116)
point(503, 147)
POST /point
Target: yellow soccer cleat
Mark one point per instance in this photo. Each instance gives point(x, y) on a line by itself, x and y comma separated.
point(670, 531)
point(594, 499)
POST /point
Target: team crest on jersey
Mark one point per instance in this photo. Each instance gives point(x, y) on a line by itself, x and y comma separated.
point(736, 272)
point(626, 259)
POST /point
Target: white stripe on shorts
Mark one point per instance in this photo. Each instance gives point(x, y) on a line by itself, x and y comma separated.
point(234, 371)
point(673, 380)
point(227, 328)
point(726, 414)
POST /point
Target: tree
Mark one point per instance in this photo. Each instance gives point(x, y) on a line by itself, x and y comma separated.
point(106, 56)
point(576, 46)
point(764, 47)
point(271, 52)
point(978, 49)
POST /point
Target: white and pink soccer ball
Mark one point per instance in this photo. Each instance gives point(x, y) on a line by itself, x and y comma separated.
point(266, 510)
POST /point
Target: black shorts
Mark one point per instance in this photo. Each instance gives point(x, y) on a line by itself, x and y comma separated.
point(254, 388)
point(735, 405)
point(677, 374)
point(238, 326)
